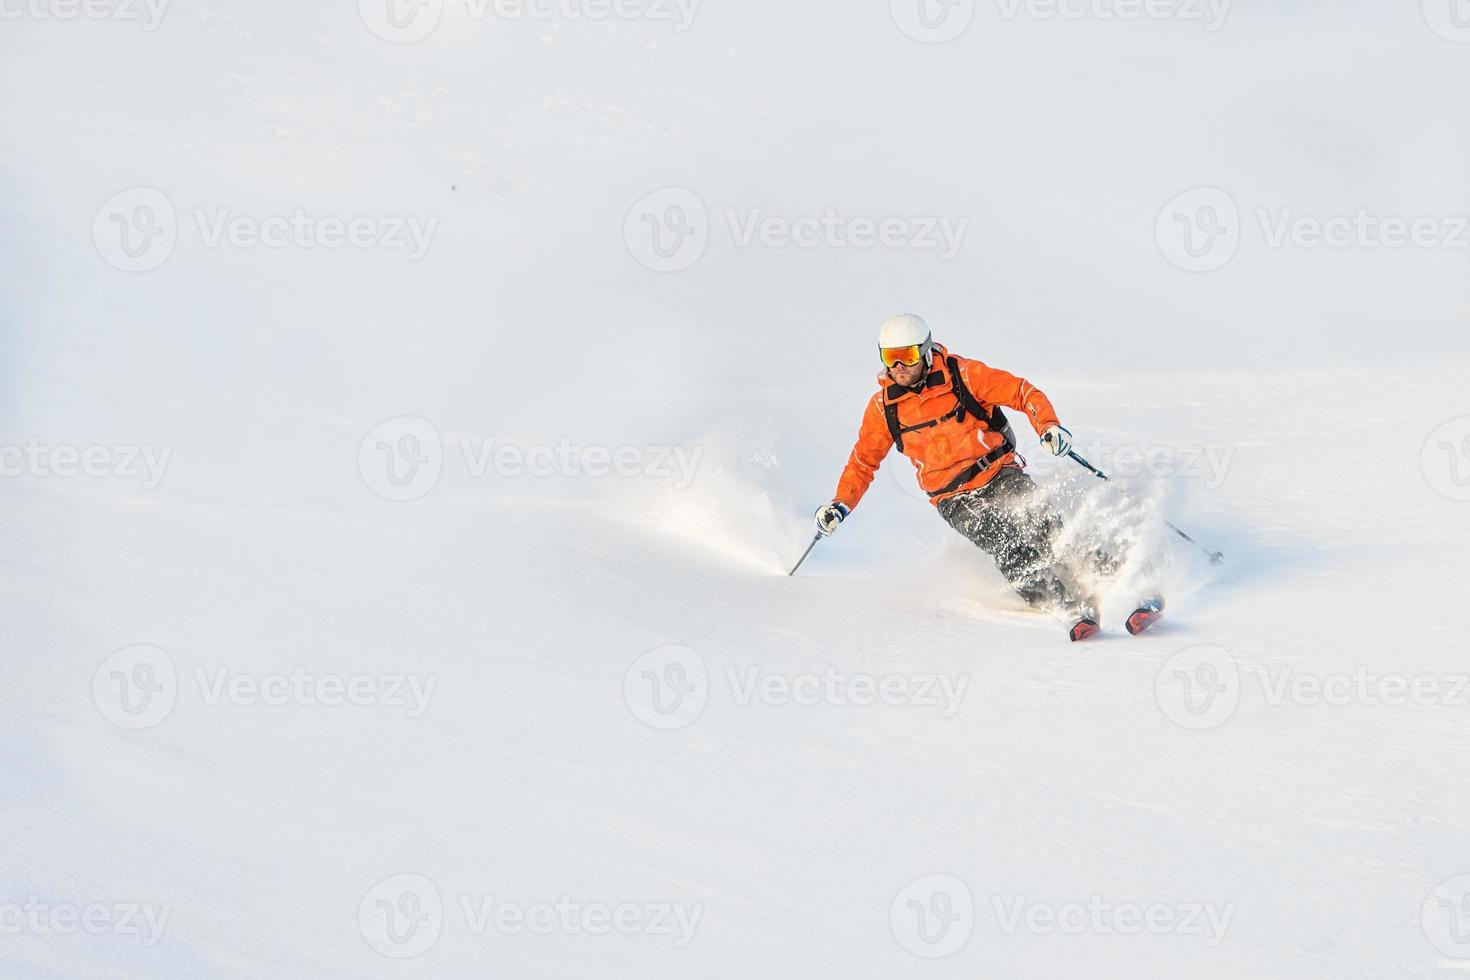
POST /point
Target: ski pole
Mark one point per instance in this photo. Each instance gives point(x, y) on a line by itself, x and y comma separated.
point(1216, 557)
point(804, 554)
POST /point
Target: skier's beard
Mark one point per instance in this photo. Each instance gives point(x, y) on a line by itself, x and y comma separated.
point(918, 382)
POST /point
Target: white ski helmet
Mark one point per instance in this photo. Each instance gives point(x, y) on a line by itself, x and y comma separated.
point(906, 330)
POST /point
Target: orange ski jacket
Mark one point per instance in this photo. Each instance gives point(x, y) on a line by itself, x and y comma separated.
point(942, 441)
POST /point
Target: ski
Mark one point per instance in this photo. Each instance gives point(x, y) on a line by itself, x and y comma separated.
point(1149, 611)
point(1085, 627)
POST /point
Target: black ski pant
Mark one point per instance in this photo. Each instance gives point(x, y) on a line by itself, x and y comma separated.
point(1010, 521)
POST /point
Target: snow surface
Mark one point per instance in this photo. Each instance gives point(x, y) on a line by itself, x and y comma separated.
point(1312, 401)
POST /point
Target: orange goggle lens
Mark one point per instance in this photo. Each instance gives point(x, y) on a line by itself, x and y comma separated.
point(909, 356)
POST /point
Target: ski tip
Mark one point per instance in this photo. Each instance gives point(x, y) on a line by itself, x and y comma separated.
point(1083, 629)
point(1144, 616)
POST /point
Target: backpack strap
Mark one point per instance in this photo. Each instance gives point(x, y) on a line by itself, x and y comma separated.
point(890, 415)
point(995, 420)
point(890, 408)
point(965, 402)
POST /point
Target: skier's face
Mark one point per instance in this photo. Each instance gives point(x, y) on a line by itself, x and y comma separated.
point(907, 375)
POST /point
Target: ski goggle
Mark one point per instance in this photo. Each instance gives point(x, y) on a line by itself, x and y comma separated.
point(909, 356)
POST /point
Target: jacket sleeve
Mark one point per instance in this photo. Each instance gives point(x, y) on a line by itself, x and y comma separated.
point(873, 443)
point(996, 387)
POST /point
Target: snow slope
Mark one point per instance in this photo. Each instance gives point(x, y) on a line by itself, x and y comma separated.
point(585, 697)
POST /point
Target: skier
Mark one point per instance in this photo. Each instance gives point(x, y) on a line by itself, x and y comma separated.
point(943, 412)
